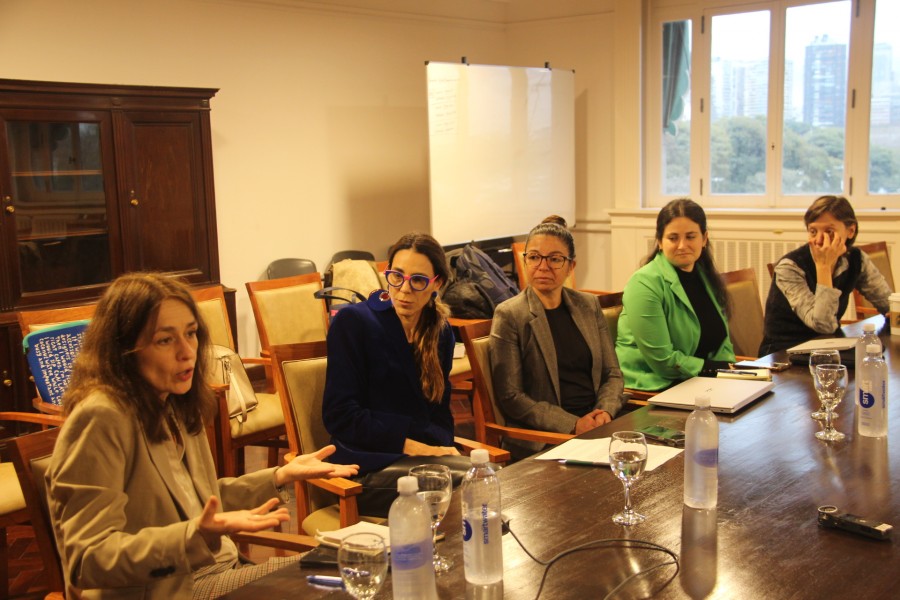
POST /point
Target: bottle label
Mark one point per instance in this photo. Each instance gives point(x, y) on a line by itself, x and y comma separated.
point(707, 458)
point(411, 556)
point(866, 397)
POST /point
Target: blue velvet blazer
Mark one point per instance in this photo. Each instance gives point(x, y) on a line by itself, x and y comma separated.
point(373, 395)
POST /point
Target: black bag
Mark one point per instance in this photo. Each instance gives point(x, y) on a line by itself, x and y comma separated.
point(478, 284)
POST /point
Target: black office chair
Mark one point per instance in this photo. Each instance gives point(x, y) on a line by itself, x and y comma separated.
point(288, 267)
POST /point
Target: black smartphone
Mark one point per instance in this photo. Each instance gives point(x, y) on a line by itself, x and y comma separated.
point(663, 435)
point(320, 556)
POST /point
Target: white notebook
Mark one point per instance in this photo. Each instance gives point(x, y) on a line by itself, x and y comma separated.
point(726, 395)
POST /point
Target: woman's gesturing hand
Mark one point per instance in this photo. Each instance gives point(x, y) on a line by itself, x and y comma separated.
point(212, 524)
point(308, 466)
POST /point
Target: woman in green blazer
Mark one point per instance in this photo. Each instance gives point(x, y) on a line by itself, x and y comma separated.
point(674, 324)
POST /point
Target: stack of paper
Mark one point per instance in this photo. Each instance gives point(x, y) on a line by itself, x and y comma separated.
point(597, 452)
point(333, 538)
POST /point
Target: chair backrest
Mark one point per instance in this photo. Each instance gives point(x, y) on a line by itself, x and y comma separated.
point(286, 311)
point(56, 336)
point(518, 249)
point(300, 382)
point(746, 321)
point(611, 305)
point(31, 457)
point(476, 338)
point(353, 254)
point(214, 312)
point(287, 267)
point(771, 267)
point(878, 254)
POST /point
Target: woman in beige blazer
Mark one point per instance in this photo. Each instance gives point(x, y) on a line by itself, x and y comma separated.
point(136, 507)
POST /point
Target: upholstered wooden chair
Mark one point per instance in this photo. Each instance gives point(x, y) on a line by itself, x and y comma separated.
point(264, 425)
point(287, 312)
point(35, 320)
point(300, 380)
point(19, 504)
point(878, 254)
point(490, 424)
point(288, 267)
point(746, 322)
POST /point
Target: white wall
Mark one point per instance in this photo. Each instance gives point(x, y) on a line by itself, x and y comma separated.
point(320, 127)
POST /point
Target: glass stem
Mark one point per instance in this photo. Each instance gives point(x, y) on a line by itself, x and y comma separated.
point(434, 550)
point(627, 497)
point(828, 414)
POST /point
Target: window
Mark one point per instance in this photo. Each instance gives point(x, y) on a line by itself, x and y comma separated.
point(774, 103)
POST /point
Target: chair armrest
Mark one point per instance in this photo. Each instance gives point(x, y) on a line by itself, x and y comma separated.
point(261, 360)
point(46, 407)
point(276, 539)
point(498, 455)
point(38, 418)
point(343, 488)
point(638, 395)
point(531, 435)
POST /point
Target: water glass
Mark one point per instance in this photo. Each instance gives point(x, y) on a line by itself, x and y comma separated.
point(363, 562)
point(831, 384)
point(627, 459)
point(822, 357)
point(435, 488)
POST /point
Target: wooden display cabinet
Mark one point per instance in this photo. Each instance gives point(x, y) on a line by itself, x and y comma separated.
point(96, 181)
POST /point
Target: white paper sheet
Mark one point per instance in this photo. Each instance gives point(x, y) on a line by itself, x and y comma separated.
point(597, 451)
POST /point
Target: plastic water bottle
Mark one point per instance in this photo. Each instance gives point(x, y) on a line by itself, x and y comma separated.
point(412, 568)
point(701, 457)
point(871, 393)
point(482, 543)
point(868, 337)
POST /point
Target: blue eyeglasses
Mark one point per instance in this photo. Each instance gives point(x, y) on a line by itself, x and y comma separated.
point(417, 283)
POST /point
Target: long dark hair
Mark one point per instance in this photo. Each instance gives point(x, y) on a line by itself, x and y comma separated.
point(434, 315)
point(107, 361)
point(685, 207)
point(839, 208)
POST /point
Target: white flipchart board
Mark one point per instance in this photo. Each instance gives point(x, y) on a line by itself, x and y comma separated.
point(502, 149)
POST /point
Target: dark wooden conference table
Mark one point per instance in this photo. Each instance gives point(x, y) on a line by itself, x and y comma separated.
point(762, 542)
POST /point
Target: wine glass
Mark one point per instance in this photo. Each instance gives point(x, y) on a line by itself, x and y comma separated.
point(435, 487)
point(831, 384)
point(822, 357)
point(363, 562)
point(627, 458)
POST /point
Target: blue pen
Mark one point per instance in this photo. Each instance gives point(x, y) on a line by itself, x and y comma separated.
point(326, 580)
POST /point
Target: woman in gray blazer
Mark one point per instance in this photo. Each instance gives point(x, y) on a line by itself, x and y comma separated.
point(136, 507)
point(553, 360)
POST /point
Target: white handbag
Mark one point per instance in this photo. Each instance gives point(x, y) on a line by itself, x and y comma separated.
point(227, 369)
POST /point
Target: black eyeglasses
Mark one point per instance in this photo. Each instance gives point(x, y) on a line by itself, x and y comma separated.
point(417, 283)
point(556, 261)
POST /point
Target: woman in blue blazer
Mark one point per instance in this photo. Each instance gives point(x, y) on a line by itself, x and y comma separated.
point(387, 385)
point(674, 322)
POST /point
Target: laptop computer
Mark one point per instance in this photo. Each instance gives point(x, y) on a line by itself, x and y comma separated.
point(799, 354)
point(726, 396)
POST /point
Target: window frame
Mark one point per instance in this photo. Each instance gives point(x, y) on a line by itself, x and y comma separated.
point(856, 134)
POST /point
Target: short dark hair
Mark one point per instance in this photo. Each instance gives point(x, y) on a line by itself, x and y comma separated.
point(108, 362)
point(838, 207)
point(555, 226)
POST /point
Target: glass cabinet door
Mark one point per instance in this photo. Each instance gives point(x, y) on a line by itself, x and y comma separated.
point(59, 199)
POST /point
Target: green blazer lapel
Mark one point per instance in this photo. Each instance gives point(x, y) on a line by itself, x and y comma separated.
point(544, 338)
point(671, 277)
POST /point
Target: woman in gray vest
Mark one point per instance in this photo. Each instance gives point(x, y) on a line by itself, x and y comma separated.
point(812, 284)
